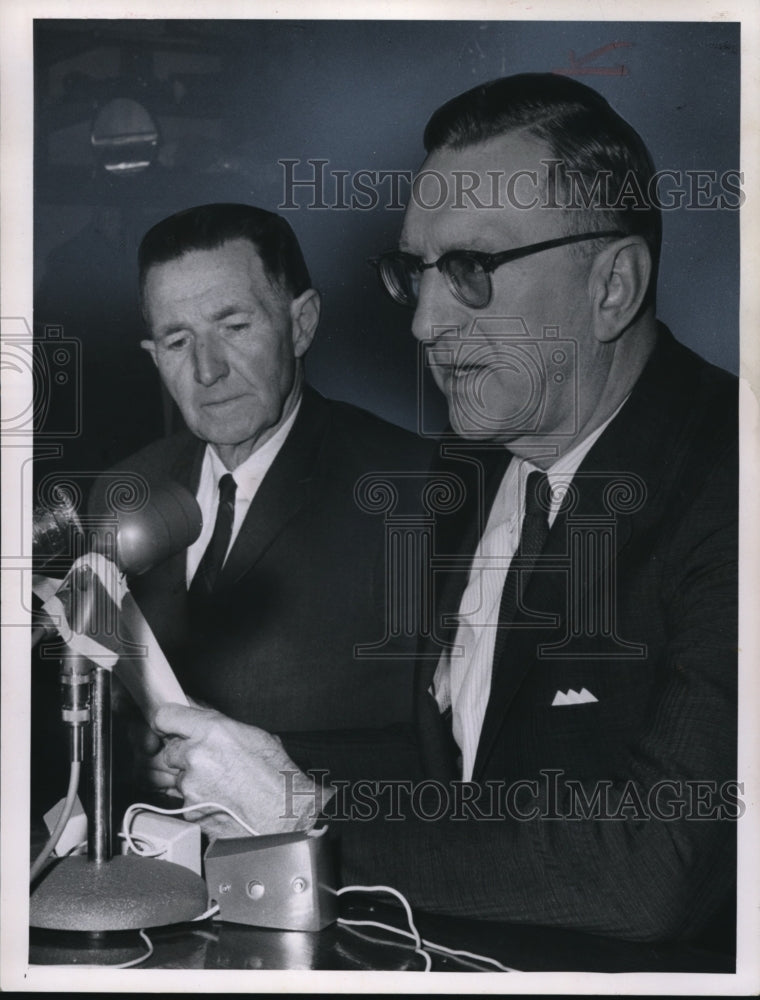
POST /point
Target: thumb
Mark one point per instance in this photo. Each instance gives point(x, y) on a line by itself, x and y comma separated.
point(143, 737)
point(179, 720)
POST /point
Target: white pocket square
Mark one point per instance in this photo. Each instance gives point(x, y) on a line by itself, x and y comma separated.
point(582, 697)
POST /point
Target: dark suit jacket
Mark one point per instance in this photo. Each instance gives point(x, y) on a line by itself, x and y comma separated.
point(304, 583)
point(647, 624)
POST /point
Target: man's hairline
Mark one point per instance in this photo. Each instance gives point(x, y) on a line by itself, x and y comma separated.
point(278, 283)
point(581, 249)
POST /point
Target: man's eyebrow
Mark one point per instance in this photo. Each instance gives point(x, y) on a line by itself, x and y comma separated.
point(233, 310)
point(166, 331)
point(446, 246)
point(220, 314)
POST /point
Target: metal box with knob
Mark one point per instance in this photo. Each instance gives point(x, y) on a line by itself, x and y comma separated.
point(284, 881)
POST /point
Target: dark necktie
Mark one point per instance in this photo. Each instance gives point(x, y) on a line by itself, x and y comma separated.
point(208, 569)
point(535, 531)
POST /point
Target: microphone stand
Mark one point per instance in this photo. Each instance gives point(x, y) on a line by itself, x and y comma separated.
point(103, 892)
point(99, 839)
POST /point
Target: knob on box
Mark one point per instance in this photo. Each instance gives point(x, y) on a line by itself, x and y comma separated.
point(282, 880)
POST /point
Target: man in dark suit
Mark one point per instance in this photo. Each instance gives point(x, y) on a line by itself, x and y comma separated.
point(268, 633)
point(578, 728)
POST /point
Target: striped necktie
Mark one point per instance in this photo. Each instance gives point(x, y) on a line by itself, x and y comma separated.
point(213, 558)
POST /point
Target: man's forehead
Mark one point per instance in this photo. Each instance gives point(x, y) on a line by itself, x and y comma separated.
point(233, 263)
point(209, 279)
point(478, 195)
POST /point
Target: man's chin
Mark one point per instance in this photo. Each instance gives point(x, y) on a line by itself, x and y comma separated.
point(472, 433)
point(224, 433)
point(473, 426)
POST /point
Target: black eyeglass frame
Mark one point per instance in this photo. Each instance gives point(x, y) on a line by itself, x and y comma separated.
point(488, 261)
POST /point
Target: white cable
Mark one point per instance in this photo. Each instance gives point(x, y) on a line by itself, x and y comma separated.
point(149, 848)
point(350, 924)
point(135, 961)
point(146, 807)
point(394, 892)
point(419, 950)
point(55, 836)
point(456, 953)
point(209, 913)
point(428, 944)
point(413, 933)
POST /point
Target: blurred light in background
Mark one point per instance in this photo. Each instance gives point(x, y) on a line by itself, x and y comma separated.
point(124, 137)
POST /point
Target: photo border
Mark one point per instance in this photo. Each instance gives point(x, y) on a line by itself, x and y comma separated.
point(16, 128)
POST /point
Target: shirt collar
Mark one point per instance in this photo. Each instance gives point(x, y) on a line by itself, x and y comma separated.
point(250, 473)
point(564, 468)
point(568, 463)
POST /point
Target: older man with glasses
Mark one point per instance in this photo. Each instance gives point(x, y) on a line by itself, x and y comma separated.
point(576, 702)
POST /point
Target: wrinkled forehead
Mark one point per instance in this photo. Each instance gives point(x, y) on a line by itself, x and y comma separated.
point(234, 270)
point(493, 190)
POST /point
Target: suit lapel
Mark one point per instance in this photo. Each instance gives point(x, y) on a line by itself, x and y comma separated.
point(542, 616)
point(185, 466)
point(480, 471)
point(284, 490)
point(186, 470)
point(622, 481)
point(457, 535)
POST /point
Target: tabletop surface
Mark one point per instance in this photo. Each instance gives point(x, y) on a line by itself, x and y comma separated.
point(212, 944)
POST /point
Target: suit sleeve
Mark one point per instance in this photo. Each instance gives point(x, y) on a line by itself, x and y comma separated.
point(389, 753)
point(658, 861)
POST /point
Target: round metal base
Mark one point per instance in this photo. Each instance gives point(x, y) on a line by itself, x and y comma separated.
point(125, 893)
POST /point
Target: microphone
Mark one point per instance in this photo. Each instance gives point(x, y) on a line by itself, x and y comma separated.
point(56, 533)
point(135, 540)
point(169, 522)
point(131, 542)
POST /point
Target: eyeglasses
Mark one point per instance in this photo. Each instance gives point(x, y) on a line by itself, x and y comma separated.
point(467, 272)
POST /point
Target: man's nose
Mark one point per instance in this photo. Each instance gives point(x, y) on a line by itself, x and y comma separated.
point(210, 362)
point(434, 314)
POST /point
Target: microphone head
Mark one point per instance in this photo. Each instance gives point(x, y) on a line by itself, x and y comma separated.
point(169, 522)
point(56, 532)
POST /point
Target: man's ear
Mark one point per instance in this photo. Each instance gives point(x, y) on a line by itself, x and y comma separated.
point(618, 284)
point(304, 313)
point(150, 347)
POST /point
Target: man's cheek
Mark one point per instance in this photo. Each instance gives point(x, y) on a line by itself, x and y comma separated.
point(171, 375)
point(439, 376)
point(182, 387)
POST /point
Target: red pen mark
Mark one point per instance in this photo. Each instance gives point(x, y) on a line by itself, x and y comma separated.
point(579, 64)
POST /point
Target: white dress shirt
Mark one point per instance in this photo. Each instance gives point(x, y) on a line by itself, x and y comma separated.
point(462, 678)
point(248, 476)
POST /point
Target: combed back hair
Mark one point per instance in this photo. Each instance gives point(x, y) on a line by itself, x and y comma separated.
point(581, 130)
point(207, 227)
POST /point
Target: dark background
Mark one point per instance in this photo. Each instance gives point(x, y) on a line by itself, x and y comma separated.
point(232, 98)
